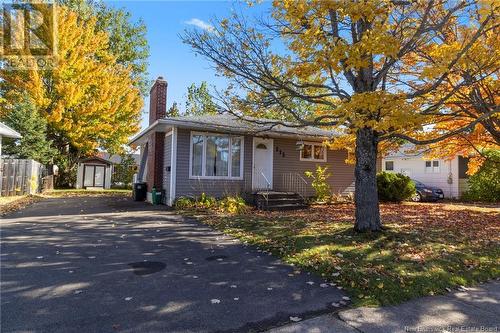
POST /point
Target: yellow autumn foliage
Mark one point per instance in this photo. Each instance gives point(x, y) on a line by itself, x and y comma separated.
point(88, 99)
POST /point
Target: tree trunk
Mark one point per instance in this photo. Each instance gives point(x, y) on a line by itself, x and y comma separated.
point(366, 196)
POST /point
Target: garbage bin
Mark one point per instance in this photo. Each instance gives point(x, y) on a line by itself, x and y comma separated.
point(156, 196)
point(139, 192)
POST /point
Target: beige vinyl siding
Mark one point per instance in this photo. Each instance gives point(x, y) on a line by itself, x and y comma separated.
point(287, 160)
point(214, 187)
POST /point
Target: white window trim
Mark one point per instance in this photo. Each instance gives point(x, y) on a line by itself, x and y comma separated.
point(431, 168)
point(204, 157)
point(312, 159)
point(393, 165)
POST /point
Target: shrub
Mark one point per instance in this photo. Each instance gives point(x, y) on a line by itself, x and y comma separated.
point(184, 203)
point(233, 205)
point(394, 187)
point(206, 201)
point(319, 182)
point(485, 184)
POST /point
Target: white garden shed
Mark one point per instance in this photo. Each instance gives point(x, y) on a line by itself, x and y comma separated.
point(94, 173)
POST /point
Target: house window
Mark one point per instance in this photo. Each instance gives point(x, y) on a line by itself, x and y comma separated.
point(216, 156)
point(389, 165)
point(432, 166)
point(313, 152)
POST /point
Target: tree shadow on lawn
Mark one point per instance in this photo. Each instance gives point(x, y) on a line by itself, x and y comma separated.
point(422, 253)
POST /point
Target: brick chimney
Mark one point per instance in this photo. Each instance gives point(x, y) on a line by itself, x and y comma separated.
point(158, 100)
point(157, 110)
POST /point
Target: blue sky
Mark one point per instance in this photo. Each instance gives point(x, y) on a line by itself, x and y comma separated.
point(169, 57)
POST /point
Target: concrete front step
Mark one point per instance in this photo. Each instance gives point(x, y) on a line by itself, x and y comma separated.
point(285, 207)
point(272, 200)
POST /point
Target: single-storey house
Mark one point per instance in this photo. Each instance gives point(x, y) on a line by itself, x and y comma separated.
point(450, 175)
point(225, 155)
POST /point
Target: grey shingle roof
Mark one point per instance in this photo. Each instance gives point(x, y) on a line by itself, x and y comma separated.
point(248, 125)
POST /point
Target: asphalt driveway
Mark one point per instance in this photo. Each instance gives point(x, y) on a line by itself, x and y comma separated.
point(108, 264)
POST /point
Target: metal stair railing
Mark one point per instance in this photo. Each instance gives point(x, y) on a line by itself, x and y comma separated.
point(294, 182)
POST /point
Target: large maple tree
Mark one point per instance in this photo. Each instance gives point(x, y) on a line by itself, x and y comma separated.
point(356, 64)
point(90, 101)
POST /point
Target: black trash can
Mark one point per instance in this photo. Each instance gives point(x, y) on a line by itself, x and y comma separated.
point(139, 191)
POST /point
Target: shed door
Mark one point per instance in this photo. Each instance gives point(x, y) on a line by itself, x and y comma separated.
point(94, 176)
point(99, 176)
point(89, 176)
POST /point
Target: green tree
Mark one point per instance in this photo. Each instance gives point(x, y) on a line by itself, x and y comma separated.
point(89, 101)
point(25, 119)
point(173, 111)
point(124, 172)
point(199, 101)
point(485, 184)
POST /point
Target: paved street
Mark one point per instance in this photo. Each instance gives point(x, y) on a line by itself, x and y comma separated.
point(107, 264)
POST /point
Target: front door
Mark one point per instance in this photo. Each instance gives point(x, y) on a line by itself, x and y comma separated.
point(262, 177)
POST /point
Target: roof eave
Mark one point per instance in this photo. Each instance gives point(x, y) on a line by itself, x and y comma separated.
point(236, 130)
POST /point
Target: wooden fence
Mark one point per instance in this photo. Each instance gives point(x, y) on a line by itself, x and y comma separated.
point(19, 177)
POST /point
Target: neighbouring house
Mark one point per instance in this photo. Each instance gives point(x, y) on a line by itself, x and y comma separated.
point(7, 132)
point(448, 174)
point(97, 171)
point(224, 155)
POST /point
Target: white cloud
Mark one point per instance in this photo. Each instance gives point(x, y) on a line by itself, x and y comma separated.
point(200, 24)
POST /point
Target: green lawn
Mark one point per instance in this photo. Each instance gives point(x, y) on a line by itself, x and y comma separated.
point(426, 248)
